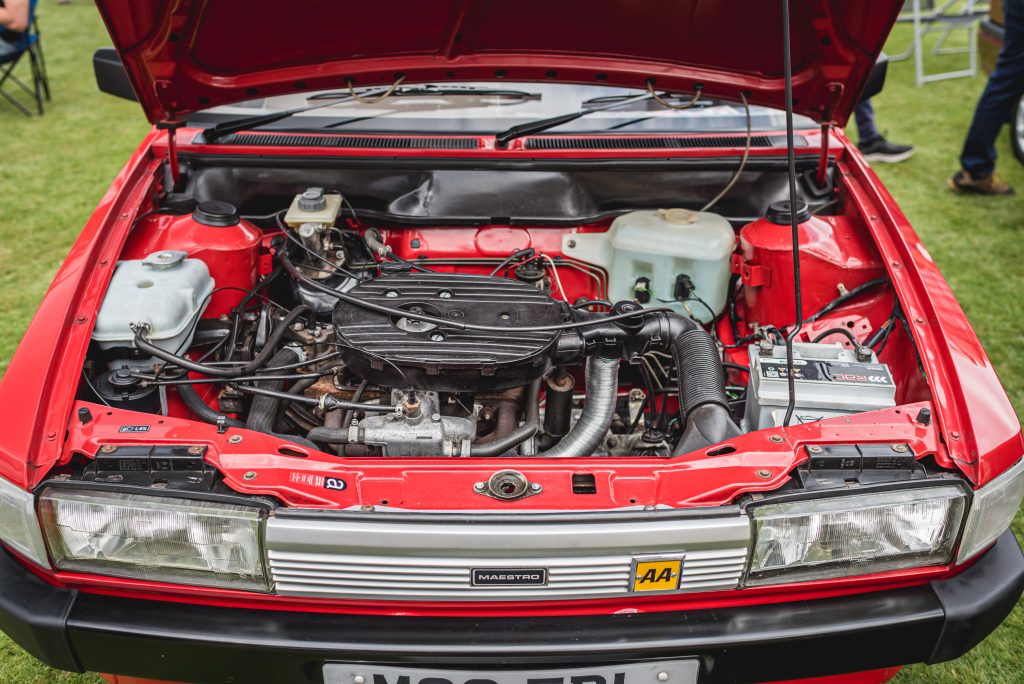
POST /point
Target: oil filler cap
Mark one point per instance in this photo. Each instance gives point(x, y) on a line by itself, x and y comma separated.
point(779, 212)
point(216, 213)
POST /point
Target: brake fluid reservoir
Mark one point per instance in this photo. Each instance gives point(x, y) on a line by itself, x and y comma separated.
point(646, 252)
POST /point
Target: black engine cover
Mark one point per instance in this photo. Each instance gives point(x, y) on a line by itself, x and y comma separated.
point(394, 351)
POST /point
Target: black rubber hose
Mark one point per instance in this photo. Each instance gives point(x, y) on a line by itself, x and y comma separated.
point(529, 428)
point(703, 404)
point(258, 361)
point(199, 407)
point(206, 414)
point(265, 409)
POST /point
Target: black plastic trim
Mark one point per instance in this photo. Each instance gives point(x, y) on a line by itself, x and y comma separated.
point(637, 142)
point(380, 142)
point(189, 642)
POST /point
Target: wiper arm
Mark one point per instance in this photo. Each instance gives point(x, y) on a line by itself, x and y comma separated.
point(246, 123)
point(541, 125)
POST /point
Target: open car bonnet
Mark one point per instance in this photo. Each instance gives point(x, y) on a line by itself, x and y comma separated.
point(187, 55)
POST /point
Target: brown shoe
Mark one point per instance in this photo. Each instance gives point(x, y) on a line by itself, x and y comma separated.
point(961, 181)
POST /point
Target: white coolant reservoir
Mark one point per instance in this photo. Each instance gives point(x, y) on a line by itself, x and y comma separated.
point(647, 252)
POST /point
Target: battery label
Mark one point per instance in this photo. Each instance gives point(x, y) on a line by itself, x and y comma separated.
point(842, 372)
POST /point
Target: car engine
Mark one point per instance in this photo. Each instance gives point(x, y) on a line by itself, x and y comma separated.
point(359, 340)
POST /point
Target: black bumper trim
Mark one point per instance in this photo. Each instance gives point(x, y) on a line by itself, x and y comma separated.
point(186, 642)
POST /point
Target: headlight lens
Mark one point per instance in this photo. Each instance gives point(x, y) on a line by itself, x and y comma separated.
point(19, 528)
point(992, 511)
point(855, 534)
point(155, 538)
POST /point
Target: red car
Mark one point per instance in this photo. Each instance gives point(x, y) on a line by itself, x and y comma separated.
point(467, 342)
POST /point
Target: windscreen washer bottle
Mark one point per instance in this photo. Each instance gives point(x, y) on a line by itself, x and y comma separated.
point(663, 257)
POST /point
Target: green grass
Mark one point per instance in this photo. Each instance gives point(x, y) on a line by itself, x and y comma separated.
point(56, 168)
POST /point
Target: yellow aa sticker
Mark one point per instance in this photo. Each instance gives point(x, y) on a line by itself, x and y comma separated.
point(657, 575)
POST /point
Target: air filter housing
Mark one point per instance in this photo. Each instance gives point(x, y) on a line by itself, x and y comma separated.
point(397, 351)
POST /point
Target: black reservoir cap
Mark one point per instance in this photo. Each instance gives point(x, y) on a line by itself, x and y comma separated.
point(216, 213)
point(779, 212)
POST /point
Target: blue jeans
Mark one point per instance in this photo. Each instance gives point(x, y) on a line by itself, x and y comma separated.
point(1004, 88)
point(867, 132)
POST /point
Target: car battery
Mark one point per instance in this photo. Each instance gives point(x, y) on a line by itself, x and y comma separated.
point(830, 381)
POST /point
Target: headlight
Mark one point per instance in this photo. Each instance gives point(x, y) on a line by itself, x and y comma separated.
point(156, 538)
point(19, 528)
point(855, 534)
point(992, 510)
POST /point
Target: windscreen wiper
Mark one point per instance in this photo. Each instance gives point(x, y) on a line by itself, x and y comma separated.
point(541, 125)
point(247, 123)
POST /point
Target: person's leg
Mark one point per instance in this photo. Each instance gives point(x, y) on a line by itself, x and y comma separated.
point(867, 132)
point(873, 144)
point(1005, 86)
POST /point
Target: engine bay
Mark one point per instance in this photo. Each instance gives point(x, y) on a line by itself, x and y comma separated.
point(639, 328)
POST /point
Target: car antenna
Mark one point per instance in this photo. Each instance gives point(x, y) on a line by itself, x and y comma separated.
point(787, 67)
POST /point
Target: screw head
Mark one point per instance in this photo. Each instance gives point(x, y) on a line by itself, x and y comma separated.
point(480, 486)
point(249, 475)
point(437, 337)
point(954, 435)
point(663, 676)
point(570, 244)
point(535, 487)
point(195, 450)
point(764, 474)
point(899, 448)
point(776, 439)
point(108, 448)
point(235, 439)
point(358, 679)
point(391, 294)
point(814, 449)
point(445, 294)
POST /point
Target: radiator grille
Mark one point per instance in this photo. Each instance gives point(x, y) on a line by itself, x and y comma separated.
point(393, 561)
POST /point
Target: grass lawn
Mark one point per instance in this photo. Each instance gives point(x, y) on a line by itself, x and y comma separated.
point(56, 168)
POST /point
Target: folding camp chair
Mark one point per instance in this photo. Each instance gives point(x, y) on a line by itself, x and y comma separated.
point(947, 17)
point(31, 45)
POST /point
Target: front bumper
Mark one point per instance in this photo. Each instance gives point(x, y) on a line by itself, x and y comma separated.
point(939, 621)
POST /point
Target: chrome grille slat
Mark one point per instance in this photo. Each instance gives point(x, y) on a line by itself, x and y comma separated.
point(385, 558)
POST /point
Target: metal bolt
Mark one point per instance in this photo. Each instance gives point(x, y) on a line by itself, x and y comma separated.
point(504, 315)
point(82, 319)
point(195, 450)
point(391, 294)
point(764, 474)
point(480, 486)
point(899, 448)
point(445, 294)
point(919, 320)
point(249, 475)
point(108, 449)
point(663, 676)
point(570, 244)
point(954, 435)
point(814, 449)
point(436, 417)
point(358, 679)
point(776, 439)
point(235, 439)
point(437, 337)
point(51, 436)
point(534, 487)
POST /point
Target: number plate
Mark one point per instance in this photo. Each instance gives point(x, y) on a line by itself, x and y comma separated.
point(663, 672)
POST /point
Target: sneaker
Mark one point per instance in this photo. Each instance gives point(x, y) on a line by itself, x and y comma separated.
point(881, 150)
point(961, 181)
